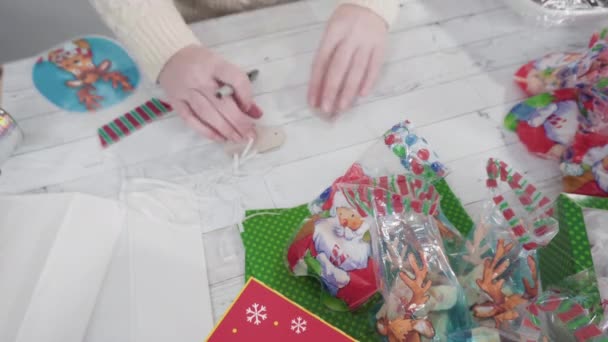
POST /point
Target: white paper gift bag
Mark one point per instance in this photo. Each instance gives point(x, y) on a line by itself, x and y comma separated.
point(157, 287)
point(54, 254)
point(79, 268)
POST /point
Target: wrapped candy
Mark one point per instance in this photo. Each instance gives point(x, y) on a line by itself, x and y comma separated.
point(333, 244)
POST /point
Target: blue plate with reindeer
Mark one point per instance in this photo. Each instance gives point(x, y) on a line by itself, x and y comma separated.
point(86, 74)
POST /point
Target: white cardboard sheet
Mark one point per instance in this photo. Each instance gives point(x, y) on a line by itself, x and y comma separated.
point(79, 268)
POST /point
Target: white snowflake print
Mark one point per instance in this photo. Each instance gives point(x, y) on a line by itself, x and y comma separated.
point(256, 314)
point(298, 325)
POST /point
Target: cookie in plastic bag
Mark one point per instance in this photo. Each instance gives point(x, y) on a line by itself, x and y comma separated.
point(336, 249)
point(333, 244)
point(569, 92)
point(422, 297)
point(500, 273)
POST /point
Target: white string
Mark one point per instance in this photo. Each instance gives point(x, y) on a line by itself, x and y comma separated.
point(247, 148)
point(206, 186)
point(238, 161)
point(235, 164)
point(261, 214)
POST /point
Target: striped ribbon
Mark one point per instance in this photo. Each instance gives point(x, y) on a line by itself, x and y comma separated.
point(572, 314)
point(129, 122)
point(387, 195)
point(544, 227)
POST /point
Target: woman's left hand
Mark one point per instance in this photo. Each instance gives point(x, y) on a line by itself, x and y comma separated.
point(349, 59)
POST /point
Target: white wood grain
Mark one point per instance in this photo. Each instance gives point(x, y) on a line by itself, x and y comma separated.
point(449, 70)
point(444, 60)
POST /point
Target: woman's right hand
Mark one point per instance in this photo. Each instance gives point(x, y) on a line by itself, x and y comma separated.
point(191, 79)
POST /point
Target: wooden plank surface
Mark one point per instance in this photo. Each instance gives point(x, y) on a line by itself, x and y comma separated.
point(449, 70)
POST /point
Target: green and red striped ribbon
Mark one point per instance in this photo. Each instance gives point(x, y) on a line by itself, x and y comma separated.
point(544, 227)
point(129, 122)
point(387, 195)
point(569, 312)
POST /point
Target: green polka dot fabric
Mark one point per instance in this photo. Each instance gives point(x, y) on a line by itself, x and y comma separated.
point(569, 252)
point(453, 209)
point(266, 236)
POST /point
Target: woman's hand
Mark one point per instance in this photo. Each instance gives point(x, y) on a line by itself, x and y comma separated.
point(349, 59)
point(191, 79)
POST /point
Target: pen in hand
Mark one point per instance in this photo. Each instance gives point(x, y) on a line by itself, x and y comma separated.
point(227, 90)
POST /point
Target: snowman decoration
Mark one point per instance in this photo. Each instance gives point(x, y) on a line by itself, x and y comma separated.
point(340, 242)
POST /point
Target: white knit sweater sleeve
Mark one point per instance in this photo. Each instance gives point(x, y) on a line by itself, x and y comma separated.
point(387, 9)
point(154, 30)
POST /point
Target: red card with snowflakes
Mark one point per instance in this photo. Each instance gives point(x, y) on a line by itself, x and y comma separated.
point(260, 313)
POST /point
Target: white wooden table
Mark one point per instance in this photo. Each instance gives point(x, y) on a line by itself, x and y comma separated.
point(449, 71)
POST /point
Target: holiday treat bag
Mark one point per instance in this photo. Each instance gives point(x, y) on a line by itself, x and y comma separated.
point(422, 297)
point(582, 246)
point(500, 266)
point(402, 151)
point(267, 233)
point(567, 116)
point(336, 250)
point(333, 244)
point(565, 313)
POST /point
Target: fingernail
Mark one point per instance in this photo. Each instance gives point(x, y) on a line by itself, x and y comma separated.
point(255, 112)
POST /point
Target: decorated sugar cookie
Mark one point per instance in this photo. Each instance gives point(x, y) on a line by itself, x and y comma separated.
point(86, 74)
